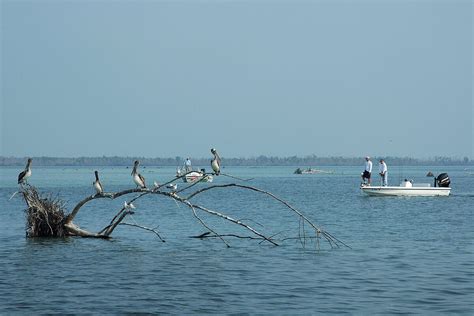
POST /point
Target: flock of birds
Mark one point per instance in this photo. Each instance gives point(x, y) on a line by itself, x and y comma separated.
point(138, 179)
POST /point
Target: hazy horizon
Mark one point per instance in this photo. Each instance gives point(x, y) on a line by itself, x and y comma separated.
point(362, 159)
point(250, 78)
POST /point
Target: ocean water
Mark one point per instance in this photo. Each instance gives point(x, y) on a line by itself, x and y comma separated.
point(408, 255)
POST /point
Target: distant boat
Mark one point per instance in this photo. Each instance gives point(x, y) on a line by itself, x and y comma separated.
point(311, 171)
point(407, 188)
point(194, 176)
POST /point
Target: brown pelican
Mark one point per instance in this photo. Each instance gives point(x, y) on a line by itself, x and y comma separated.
point(25, 174)
point(97, 185)
point(138, 178)
point(216, 162)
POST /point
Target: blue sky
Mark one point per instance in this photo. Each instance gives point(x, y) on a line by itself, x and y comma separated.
point(169, 78)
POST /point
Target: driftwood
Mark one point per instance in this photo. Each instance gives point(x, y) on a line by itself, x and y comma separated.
point(46, 216)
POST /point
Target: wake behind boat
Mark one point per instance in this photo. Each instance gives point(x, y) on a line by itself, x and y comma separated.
point(408, 188)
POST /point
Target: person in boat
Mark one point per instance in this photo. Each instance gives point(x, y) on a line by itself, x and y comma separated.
point(383, 172)
point(367, 171)
point(187, 165)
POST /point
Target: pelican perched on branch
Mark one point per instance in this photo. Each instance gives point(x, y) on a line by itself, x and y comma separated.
point(216, 162)
point(97, 185)
point(138, 178)
point(25, 174)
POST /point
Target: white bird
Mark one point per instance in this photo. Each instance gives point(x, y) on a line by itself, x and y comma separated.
point(97, 185)
point(216, 162)
point(128, 205)
point(25, 174)
point(138, 178)
point(172, 186)
point(155, 184)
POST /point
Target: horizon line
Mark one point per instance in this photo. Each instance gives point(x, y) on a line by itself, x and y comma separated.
point(242, 157)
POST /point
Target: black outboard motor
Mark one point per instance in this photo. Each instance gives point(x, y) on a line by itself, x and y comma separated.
point(442, 180)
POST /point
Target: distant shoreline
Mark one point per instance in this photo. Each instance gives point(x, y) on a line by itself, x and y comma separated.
point(310, 161)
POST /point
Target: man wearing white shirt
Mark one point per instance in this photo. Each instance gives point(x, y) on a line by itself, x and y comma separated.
point(383, 172)
point(367, 171)
point(187, 165)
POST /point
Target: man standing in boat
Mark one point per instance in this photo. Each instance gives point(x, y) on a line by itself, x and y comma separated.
point(383, 172)
point(187, 165)
point(367, 171)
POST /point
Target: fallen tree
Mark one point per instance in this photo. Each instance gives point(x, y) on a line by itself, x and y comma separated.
point(47, 216)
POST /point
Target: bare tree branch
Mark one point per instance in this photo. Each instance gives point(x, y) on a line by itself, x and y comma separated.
point(145, 228)
point(331, 239)
point(48, 218)
point(235, 221)
point(112, 196)
point(205, 225)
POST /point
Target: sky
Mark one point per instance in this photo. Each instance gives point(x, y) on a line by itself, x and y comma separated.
point(276, 78)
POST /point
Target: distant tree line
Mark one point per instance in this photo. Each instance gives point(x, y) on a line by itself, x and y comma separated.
point(310, 161)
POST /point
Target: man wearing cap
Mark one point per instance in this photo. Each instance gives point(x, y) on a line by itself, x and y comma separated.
point(367, 171)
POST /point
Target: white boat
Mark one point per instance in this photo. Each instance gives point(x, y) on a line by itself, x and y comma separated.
point(197, 176)
point(194, 176)
point(405, 191)
point(407, 188)
point(312, 171)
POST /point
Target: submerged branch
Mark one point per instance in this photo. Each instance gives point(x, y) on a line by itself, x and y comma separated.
point(209, 235)
point(331, 239)
point(144, 228)
point(235, 221)
point(205, 225)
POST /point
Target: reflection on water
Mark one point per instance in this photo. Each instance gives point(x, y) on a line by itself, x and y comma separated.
point(409, 255)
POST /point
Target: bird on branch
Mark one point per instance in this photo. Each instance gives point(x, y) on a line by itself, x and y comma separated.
point(97, 185)
point(128, 206)
point(138, 178)
point(172, 186)
point(25, 174)
point(216, 162)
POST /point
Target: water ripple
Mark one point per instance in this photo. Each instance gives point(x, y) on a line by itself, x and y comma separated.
point(408, 256)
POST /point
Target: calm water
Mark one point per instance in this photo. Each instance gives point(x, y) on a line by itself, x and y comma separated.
point(409, 255)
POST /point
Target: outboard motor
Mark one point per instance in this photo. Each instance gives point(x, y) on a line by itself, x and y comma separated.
point(442, 180)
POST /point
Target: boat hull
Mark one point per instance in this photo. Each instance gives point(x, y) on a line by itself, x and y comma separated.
point(197, 176)
point(405, 191)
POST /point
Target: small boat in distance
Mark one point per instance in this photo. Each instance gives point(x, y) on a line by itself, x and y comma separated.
point(194, 175)
point(311, 171)
point(408, 188)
